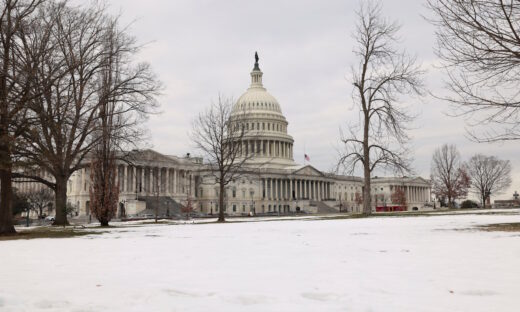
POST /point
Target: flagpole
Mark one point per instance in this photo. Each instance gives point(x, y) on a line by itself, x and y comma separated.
point(304, 153)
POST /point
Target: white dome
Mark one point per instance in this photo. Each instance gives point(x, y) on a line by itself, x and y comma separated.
point(256, 99)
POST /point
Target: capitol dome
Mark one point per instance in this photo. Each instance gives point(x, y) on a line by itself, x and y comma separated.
point(256, 98)
point(267, 140)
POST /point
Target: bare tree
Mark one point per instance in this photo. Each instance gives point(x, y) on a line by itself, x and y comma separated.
point(218, 133)
point(398, 197)
point(40, 200)
point(489, 175)
point(382, 76)
point(104, 189)
point(16, 83)
point(449, 178)
point(73, 91)
point(479, 42)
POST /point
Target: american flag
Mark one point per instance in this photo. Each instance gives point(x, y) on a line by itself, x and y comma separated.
point(307, 158)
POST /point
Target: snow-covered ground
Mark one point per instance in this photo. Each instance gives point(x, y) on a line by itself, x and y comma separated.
point(376, 264)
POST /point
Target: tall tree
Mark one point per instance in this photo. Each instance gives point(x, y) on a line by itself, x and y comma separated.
point(489, 176)
point(73, 92)
point(479, 42)
point(218, 133)
point(16, 83)
point(449, 177)
point(382, 76)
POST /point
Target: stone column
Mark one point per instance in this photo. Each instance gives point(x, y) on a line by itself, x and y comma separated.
point(152, 182)
point(174, 181)
point(167, 181)
point(125, 178)
point(290, 189)
point(159, 180)
point(142, 180)
point(134, 187)
point(271, 193)
point(277, 188)
point(275, 193)
point(84, 180)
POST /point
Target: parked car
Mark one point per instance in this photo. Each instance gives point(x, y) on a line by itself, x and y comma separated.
point(49, 218)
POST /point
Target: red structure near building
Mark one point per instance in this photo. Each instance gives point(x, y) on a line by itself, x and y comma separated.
point(390, 208)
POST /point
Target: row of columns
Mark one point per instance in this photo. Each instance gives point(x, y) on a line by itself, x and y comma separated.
point(418, 194)
point(267, 148)
point(289, 189)
point(153, 180)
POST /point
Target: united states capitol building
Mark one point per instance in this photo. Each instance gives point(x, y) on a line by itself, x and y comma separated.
point(270, 181)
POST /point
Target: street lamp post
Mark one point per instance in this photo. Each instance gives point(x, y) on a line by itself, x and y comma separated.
point(157, 205)
point(252, 208)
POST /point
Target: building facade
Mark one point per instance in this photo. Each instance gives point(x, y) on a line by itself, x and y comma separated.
point(270, 181)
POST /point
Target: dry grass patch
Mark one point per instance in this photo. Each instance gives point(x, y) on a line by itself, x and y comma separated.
point(501, 227)
point(49, 232)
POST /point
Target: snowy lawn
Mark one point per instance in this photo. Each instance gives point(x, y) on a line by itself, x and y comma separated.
point(376, 264)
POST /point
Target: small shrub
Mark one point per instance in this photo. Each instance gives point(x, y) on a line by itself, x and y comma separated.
point(468, 204)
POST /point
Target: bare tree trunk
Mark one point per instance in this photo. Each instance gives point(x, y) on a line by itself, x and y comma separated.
point(6, 215)
point(221, 217)
point(61, 200)
point(367, 198)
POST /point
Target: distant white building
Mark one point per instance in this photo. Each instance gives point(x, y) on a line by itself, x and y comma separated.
point(271, 181)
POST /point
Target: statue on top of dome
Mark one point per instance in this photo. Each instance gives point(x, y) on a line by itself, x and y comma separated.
point(256, 62)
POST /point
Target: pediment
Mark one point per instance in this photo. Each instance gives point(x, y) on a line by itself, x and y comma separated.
point(149, 155)
point(420, 180)
point(309, 171)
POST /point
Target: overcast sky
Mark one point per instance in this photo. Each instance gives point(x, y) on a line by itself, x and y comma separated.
point(202, 48)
